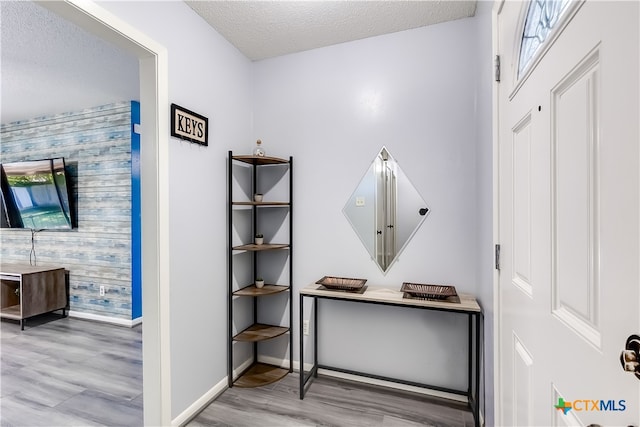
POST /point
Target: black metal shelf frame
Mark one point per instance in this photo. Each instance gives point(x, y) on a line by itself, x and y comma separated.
point(255, 164)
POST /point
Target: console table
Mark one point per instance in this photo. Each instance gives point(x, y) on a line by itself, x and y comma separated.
point(468, 306)
point(27, 291)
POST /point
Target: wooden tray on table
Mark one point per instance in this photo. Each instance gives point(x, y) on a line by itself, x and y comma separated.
point(345, 284)
point(429, 292)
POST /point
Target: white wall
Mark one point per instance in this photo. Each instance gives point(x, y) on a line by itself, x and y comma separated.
point(209, 76)
point(333, 109)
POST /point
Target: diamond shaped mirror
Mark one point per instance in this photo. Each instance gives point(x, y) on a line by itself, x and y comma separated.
point(385, 210)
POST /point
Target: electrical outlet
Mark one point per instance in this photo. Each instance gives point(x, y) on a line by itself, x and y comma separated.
point(101, 291)
point(305, 327)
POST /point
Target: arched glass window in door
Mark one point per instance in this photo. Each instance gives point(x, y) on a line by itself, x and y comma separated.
point(542, 17)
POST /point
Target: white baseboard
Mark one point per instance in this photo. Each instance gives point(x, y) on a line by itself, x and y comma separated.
point(391, 384)
point(197, 406)
point(204, 400)
point(284, 363)
point(106, 319)
point(276, 361)
point(243, 366)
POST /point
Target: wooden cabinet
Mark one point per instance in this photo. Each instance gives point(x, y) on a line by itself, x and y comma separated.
point(247, 261)
point(27, 291)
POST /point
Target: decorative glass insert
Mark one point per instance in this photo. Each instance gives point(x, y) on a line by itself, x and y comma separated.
point(542, 16)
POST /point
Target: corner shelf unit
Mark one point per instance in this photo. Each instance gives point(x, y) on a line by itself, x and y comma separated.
point(259, 373)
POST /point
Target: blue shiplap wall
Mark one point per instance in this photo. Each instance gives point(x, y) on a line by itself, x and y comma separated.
point(96, 146)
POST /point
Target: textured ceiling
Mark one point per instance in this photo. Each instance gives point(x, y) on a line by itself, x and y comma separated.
point(49, 65)
point(264, 29)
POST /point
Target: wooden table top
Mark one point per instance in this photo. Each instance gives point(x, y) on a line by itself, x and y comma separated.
point(17, 269)
point(389, 295)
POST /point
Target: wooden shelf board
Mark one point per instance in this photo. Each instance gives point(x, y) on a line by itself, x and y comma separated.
point(11, 312)
point(260, 160)
point(252, 291)
point(259, 375)
point(260, 332)
point(263, 247)
point(260, 203)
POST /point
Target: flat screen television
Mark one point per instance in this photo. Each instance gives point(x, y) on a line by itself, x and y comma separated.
point(35, 195)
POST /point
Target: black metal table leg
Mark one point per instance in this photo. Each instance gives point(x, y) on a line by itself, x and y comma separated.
point(476, 399)
point(313, 373)
point(301, 346)
point(470, 360)
point(315, 337)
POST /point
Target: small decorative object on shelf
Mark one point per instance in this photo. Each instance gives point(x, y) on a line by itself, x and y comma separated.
point(259, 239)
point(259, 150)
point(257, 197)
point(259, 282)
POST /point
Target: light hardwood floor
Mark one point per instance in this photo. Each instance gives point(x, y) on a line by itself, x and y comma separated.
point(72, 372)
point(330, 402)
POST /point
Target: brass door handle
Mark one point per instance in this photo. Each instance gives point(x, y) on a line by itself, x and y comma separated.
point(630, 356)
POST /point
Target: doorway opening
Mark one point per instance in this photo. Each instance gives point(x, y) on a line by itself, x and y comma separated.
point(153, 72)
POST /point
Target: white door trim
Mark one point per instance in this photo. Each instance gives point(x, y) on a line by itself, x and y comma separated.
point(497, 7)
point(154, 100)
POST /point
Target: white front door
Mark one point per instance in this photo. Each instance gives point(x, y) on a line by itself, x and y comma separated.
point(569, 218)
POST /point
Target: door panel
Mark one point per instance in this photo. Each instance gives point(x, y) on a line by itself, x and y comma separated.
point(574, 187)
point(522, 205)
point(522, 384)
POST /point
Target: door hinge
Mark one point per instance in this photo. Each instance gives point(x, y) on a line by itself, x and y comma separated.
point(496, 64)
point(497, 257)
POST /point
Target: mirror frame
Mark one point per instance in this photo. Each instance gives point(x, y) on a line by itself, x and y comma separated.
point(380, 224)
